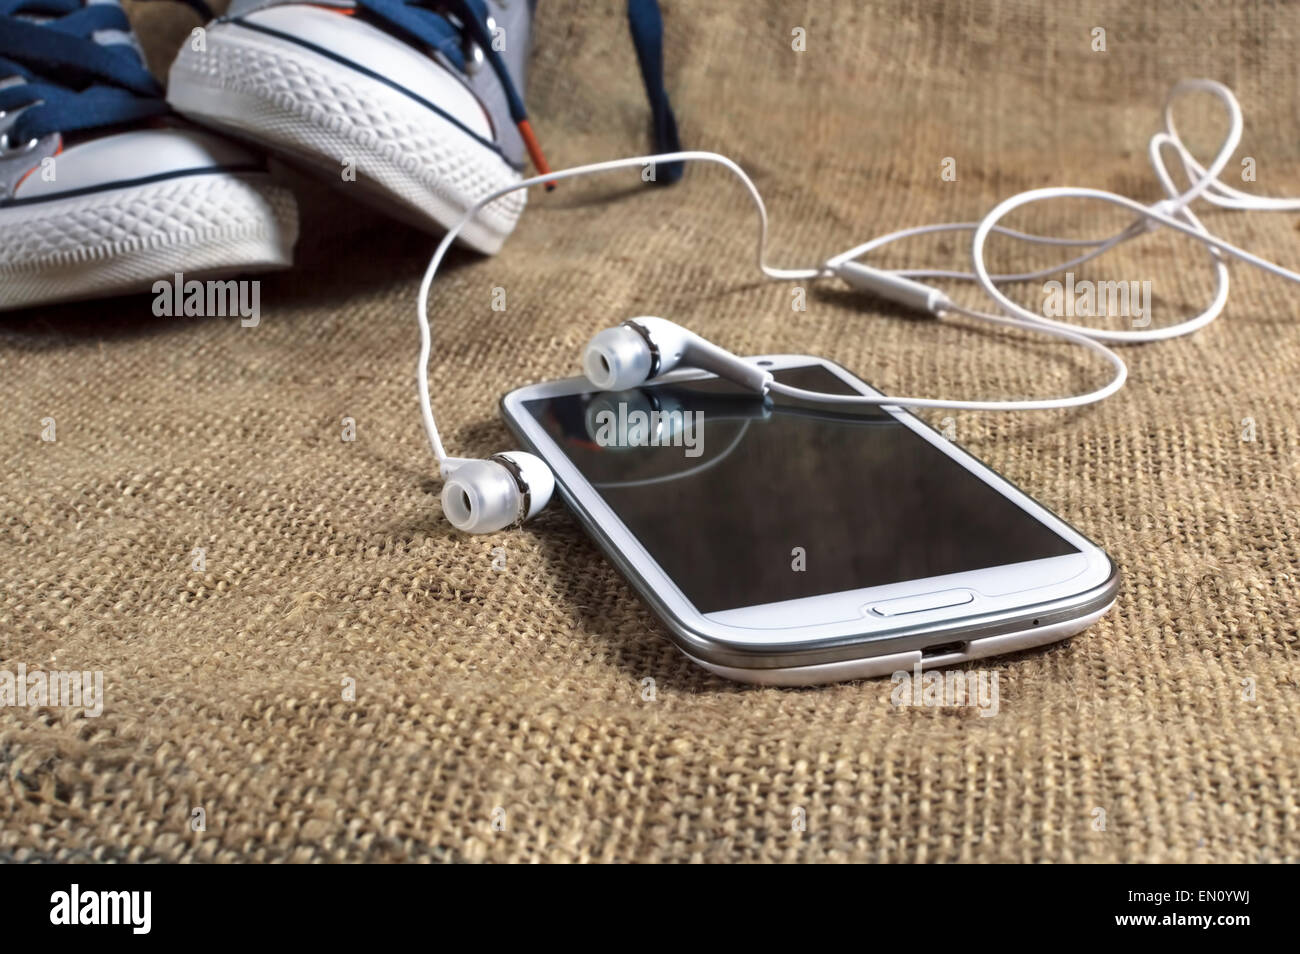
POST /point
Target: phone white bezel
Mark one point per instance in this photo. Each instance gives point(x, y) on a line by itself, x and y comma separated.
point(794, 631)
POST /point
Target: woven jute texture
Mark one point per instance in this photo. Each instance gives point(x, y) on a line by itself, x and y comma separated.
point(505, 714)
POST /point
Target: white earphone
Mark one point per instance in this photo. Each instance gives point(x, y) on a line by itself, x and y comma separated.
point(642, 349)
point(481, 496)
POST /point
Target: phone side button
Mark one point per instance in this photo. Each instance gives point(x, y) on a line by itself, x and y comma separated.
point(926, 601)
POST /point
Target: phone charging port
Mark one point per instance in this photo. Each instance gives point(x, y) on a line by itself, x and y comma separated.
point(943, 649)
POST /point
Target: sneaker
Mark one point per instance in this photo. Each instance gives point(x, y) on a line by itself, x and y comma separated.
point(416, 103)
point(100, 191)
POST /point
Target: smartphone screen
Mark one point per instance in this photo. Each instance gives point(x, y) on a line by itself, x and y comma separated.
point(730, 492)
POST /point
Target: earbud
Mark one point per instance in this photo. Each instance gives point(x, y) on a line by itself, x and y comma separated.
point(645, 348)
point(481, 496)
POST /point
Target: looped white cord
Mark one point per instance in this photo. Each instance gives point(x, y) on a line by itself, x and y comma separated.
point(1171, 212)
point(422, 312)
point(1039, 404)
point(1166, 207)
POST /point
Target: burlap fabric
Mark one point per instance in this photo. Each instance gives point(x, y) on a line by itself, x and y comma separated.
point(503, 714)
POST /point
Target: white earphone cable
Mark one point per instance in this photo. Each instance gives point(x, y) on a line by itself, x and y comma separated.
point(1040, 404)
point(1171, 212)
point(422, 313)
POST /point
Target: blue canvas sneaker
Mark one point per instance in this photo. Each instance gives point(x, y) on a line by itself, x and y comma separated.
point(418, 103)
point(102, 191)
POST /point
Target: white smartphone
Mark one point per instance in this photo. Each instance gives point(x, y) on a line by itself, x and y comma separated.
point(788, 543)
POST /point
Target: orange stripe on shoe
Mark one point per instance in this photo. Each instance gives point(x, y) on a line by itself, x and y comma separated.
point(23, 177)
point(535, 151)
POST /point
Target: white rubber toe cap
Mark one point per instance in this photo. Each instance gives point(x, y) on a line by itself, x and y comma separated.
point(370, 48)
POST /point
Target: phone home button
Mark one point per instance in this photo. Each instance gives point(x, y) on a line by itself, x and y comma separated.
point(926, 601)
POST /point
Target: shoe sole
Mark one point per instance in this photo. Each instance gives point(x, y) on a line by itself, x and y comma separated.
point(118, 241)
point(287, 98)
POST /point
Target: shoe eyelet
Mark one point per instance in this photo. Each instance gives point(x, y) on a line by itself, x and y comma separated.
point(474, 62)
